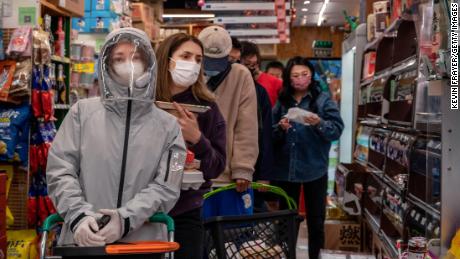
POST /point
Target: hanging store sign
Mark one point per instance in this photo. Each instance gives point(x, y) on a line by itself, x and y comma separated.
point(248, 19)
point(255, 32)
point(280, 10)
point(240, 6)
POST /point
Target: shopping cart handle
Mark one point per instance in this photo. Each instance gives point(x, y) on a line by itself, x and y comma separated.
point(292, 205)
point(51, 221)
point(161, 217)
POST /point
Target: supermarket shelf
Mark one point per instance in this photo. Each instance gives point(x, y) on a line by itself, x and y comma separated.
point(389, 32)
point(388, 244)
point(373, 221)
point(391, 216)
point(62, 106)
point(407, 64)
point(54, 10)
point(60, 59)
point(392, 184)
point(424, 206)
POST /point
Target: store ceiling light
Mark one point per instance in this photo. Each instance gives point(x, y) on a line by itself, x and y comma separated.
point(304, 9)
point(189, 15)
point(321, 12)
point(306, 2)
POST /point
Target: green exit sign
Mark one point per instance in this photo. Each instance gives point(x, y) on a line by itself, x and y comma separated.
point(322, 44)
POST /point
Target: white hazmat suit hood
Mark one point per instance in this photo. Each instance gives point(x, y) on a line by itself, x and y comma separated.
point(118, 151)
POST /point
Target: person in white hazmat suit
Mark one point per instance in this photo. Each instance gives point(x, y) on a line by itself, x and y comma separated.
point(117, 155)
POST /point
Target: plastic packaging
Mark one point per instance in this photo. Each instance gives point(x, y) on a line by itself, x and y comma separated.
point(7, 69)
point(75, 52)
point(20, 42)
point(22, 244)
point(87, 53)
point(193, 179)
point(59, 47)
point(12, 120)
point(297, 115)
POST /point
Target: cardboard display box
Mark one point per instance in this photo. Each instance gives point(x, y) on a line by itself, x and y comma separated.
point(342, 235)
point(142, 12)
point(329, 254)
point(73, 6)
point(151, 29)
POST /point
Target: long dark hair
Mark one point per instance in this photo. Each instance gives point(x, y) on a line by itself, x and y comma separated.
point(287, 92)
point(165, 51)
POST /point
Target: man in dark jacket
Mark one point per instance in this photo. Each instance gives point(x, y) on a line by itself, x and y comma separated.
point(264, 115)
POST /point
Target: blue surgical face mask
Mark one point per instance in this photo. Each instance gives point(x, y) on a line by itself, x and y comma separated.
point(211, 73)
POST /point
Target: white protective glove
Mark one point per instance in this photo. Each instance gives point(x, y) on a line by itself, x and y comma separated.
point(85, 233)
point(112, 232)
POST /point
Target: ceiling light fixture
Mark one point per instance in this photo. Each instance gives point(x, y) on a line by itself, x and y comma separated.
point(306, 2)
point(321, 12)
point(304, 9)
point(189, 15)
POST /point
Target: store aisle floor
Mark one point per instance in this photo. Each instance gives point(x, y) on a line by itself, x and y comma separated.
point(302, 242)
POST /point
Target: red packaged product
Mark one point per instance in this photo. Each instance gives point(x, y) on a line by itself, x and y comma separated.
point(32, 211)
point(33, 159)
point(42, 209)
point(190, 157)
point(47, 105)
point(50, 205)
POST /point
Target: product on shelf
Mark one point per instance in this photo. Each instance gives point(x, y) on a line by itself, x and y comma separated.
point(42, 47)
point(382, 13)
point(22, 244)
point(75, 51)
point(21, 80)
point(372, 201)
point(362, 144)
point(428, 114)
point(46, 95)
point(60, 90)
point(59, 44)
point(369, 65)
point(12, 121)
point(7, 69)
point(20, 44)
point(397, 163)
point(350, 181)
point(377, 148)
point(87, 53)
point(425, 171)
point(47, 28)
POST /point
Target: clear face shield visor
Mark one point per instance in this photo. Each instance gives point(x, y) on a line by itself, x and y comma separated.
point(128, 69)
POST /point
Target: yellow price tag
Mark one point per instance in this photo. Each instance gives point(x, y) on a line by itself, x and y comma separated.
point(84, 68)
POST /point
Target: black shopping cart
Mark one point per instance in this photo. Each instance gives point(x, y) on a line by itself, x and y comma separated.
point(144, 249)
point(261, 235)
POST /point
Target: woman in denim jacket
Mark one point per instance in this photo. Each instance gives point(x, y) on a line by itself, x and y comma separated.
point(302, 149)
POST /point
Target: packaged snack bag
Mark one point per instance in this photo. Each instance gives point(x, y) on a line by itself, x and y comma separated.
point(20, 43)
point(22, 244)
point(7, 69)
point(12, 121)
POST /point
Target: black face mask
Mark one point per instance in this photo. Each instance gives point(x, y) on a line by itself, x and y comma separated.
point(253, 71)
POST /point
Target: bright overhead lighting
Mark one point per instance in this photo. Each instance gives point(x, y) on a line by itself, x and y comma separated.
point(321, 12)
point(306, 2)
point(189, 15)
point(304, 9)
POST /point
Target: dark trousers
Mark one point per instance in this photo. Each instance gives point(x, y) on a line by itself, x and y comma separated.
point(315, 193)
point(189, 234)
